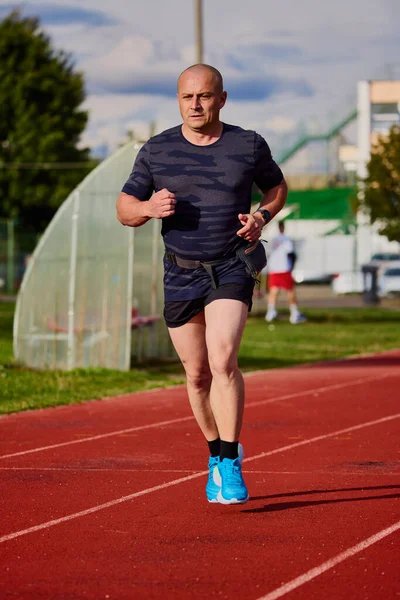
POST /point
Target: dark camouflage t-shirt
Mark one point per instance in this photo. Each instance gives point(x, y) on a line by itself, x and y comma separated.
point(212, 185)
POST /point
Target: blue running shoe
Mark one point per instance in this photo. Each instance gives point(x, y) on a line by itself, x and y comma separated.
point(233, 488)
point(213, 487)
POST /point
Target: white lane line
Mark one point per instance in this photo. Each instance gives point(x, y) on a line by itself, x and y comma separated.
point(163, 486)
point(327, 388)
point(88, 470)
point(94, 509)
point(249, 471)
point(191, 418)
point(325, 436)
point(329, 564)
point(100, 436)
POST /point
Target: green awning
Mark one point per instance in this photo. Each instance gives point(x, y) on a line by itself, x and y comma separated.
point(324, 204)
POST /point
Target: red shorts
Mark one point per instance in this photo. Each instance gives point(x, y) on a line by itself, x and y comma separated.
point(283, 281)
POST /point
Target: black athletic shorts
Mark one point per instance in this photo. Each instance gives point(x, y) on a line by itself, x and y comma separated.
point(177, 314)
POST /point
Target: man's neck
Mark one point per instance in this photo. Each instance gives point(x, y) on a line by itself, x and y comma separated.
point(203, 138)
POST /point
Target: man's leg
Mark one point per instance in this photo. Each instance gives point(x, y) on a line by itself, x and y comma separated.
point(225, 321)
point(295, 315)
point(272, 298)
point(190, 343)
point(292, 298)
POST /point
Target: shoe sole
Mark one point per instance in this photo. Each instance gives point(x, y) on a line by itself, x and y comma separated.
point(223, 500)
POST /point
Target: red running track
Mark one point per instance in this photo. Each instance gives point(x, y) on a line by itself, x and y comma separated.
point(106, 499)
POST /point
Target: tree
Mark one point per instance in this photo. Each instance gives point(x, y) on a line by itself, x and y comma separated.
point(381, 188)
point(40, 124)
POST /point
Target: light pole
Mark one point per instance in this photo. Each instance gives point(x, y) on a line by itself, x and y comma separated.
point(199, 31)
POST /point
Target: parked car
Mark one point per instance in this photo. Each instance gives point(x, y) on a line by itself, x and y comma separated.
point(389, 279)
point(383, 259)
point(349, 282)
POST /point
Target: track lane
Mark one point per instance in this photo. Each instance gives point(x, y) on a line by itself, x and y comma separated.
point(152, 460)
point(56, 500)
point(81, 436)
point(274, 534)
point(170, 542)
point(332, 574)
point(70, 424)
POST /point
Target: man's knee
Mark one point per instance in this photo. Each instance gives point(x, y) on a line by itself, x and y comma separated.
point(198, 378)
point(223, 364)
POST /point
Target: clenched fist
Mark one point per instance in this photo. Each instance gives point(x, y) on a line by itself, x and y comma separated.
point(162, 204)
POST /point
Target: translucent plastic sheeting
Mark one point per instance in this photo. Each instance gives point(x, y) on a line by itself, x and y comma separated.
point(93, 286)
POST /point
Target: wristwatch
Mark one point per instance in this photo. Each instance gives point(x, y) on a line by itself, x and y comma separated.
point(266, 215)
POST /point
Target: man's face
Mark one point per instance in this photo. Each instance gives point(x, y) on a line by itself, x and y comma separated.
point(200, 99)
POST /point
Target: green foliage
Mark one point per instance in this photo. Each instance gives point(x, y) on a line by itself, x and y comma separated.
point(382, 185)
point(40, 123)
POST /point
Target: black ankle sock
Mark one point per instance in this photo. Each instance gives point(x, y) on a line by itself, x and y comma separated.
point(229, 450)
point(214, 447)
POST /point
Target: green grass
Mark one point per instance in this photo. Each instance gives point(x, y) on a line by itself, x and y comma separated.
point(328, 334)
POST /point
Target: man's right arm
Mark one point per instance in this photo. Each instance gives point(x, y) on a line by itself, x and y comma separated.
point(134, 212)
point(131, 211)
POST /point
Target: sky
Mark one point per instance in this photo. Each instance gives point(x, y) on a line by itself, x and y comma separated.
point(289, 66)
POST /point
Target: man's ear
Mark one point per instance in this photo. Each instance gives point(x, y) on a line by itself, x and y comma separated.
point(223, 98)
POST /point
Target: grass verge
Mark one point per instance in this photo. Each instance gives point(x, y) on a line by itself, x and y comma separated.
point(328, 334)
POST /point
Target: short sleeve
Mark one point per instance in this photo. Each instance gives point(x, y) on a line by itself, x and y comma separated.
point(267, 173)
point(140, 183)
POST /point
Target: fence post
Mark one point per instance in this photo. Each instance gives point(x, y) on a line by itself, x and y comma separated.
point(72, 282)
point(129, 289)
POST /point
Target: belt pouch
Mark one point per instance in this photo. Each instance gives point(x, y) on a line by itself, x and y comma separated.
point(253, 257)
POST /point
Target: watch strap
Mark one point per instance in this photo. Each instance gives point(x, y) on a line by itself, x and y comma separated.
point(265, 214)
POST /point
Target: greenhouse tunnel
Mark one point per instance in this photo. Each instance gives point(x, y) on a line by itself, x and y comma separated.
point(92, 292)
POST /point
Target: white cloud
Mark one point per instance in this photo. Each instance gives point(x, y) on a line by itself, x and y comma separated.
point(294, 46)
point(280, 124)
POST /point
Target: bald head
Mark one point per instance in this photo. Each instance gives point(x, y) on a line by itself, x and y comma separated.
point(201, 97)
point(201, 69)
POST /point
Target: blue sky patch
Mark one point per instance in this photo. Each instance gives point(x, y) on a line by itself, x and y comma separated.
point(241, 89)
point(53, 14)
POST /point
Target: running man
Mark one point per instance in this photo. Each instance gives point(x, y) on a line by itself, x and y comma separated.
point(197, 177)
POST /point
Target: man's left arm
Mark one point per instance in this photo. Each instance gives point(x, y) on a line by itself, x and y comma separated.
point(272, 201)
point(269, 179)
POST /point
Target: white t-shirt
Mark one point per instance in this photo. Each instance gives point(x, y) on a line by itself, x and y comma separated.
point(278, 261)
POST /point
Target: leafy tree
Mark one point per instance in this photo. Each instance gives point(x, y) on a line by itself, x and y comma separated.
point(40, 124)
point(381, 191)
